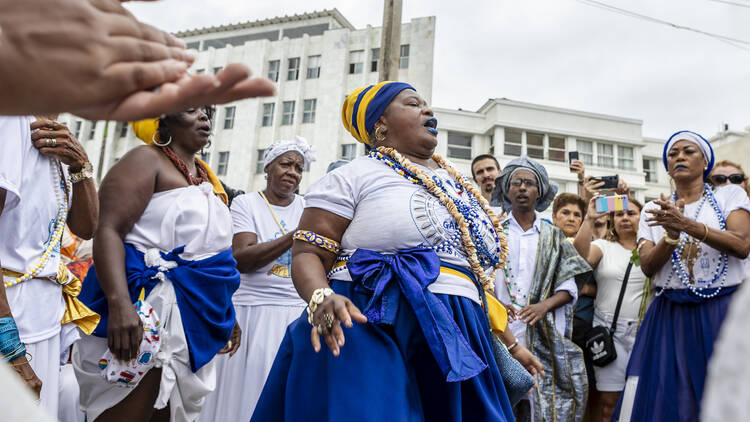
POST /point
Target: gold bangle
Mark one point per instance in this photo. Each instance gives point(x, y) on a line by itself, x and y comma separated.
point(705, 236)
point(318, 240)
point(669, 240)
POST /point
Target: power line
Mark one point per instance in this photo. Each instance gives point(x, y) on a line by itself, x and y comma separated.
point(735, 42)
point(732, 3)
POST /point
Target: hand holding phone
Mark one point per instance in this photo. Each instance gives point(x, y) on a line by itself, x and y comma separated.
point(610, 182)
point(612, 203)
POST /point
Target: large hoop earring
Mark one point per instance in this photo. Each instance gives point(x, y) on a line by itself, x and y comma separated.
point(379, 135)
point(153, 138)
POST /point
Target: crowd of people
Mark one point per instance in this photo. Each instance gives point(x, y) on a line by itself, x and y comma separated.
point(393, 289)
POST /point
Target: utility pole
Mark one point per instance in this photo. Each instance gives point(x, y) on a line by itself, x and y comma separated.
point(390, 41)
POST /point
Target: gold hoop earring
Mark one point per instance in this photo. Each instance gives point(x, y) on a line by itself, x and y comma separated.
point(379, 135)
point(153, 139)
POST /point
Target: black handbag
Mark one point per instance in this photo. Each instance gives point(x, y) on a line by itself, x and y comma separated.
point(600, 345)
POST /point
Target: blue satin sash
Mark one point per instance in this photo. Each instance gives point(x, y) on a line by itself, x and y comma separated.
point(408, 273)
point(203, 290)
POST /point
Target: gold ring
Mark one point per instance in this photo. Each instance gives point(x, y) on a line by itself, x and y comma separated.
point(329, 319)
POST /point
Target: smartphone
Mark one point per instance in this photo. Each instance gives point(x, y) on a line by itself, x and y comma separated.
point(612, 203)
point(572, 155)
point(610, 182)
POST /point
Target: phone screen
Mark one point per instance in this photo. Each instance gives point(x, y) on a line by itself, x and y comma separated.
point(572, 155)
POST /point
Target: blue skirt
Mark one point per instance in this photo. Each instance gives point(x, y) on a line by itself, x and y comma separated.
point(383, 373)
point(670, 355)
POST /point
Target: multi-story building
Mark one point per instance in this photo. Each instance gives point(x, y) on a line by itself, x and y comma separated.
point(733, 145)
point(316, 59)
point(505, 128)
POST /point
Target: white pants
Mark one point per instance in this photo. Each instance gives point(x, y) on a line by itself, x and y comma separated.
point(45, 361)
point(612, 377)
point(69, 409)
point(240, 379)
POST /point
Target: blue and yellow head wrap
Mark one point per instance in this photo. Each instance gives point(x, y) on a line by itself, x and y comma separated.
point(364, 106)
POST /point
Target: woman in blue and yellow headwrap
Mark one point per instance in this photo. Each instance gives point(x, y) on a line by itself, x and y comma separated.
point(406, 243)
point(165, 232)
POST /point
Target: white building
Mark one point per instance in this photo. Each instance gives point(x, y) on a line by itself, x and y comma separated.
point(316, 59)
point(505, 128)
point(733, 145)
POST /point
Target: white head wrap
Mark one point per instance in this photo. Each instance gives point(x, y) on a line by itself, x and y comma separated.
point(698, 140)
point(298, 144)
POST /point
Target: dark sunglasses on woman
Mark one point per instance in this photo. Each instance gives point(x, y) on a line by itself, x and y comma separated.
point(720, 179)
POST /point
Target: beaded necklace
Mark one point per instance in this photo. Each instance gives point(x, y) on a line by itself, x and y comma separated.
point(182, 167)
point(62, 189)
point(678, 267)
point(513, 291)
point(468, 220)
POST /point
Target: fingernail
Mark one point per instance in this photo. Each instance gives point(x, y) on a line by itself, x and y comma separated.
point(217, 83)
point(341, 342)
point(349, 323)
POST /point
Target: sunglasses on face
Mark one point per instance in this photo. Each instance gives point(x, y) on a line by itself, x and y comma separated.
point(720, 179)
point(530, 183)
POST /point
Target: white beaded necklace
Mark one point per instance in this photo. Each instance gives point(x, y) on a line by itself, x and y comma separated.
point(62, 187)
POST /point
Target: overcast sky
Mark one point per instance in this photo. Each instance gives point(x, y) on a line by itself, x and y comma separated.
point(557, 52)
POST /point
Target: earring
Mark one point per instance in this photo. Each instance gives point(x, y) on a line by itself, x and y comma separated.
point(379, 135)
point(265, 176)
point(205, 147)
point(153, 138)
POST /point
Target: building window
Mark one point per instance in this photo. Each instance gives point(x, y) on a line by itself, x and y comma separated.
point(206, 157)
point(348, 151)
point(268, 114)
point(513, 142)
point(375, 59)
point(556, 149)
point(356, 61)
point(123, 129)
point(273, 70)
point(403, 61)
point(605, 155)
point(292, 73)
point(313, 67)
point(459, 146)
point(77, 130)
point(308, 110)
point(259, 162)
point(585, 152)
point(535, 145)
point(223, 166)
point(218, 69)
point(92, 131)
point(229, 117)
point(625, 158)
point(287, 113)
point(649, 170)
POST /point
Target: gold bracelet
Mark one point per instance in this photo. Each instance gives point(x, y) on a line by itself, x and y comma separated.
point(318, 240)
point(705, 236)
point(318, 296)
point(669, 240)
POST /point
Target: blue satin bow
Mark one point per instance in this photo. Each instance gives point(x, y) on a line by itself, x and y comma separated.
point(409, 272)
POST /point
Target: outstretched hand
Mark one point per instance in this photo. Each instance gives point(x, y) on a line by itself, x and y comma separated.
point(334, 309)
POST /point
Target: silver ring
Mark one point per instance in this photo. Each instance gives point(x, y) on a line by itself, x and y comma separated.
point(47, 142)
point(54, 142)
point(320, 328)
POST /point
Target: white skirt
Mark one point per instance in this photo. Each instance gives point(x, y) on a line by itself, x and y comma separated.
point(45, 361)
point(240, 379)
point(182, 389)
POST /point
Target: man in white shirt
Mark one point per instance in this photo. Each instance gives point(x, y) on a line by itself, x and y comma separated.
point(539, 289)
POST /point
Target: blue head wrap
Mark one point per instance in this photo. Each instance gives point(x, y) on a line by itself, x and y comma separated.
point(364, 106)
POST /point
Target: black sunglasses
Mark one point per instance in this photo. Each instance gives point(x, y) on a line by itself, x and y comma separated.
point(720, 179)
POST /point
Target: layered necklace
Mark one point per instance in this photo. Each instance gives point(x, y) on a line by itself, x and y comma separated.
point(683, 272)
point(182, 167)
point(468, 219)
point(514, 290)
point(62, 190)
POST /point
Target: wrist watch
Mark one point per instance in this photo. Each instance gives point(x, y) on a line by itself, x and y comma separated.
point(86, 172)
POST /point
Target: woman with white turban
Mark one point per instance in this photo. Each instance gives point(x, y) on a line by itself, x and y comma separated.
point(692, 245)
point(266, 301)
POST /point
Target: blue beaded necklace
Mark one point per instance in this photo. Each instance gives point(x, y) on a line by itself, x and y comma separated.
point(515, 291)
point(678, 267)
point(469, 210)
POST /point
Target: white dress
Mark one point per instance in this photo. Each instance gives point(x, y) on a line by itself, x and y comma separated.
point(192, 216)
point(30, 180)
point(266, 303)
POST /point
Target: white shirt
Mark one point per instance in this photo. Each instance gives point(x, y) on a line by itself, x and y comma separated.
point(25, 226)
point(272, 284)
point(389, 213)
point(729, 198)
point(609, 275)
point(522, 252)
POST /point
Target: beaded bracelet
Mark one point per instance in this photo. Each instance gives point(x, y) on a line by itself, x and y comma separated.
point(318, 296)
point(318, 240)
point(10, 342)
